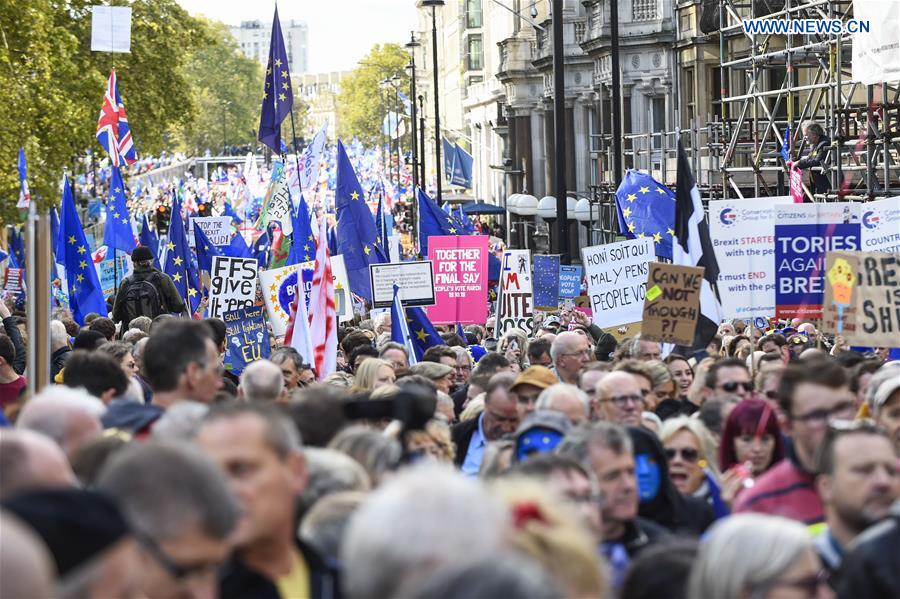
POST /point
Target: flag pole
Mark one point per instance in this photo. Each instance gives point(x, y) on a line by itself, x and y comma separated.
point(296, 158)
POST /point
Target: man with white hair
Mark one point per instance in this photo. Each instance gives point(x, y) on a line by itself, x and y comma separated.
point(645, 350)
point(71, 417)
point(383, 323)
point(618, 399)
point(30, 461)
point(567, 399)
point(60, 350)
point(262, 382)
point(570, 352)
point(416, 523)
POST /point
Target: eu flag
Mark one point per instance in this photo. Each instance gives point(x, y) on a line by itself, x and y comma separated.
point(85, 292)
point(303, 245)
point(118, 234)
point(149, 239)
point(205, 249)
point(786, 145)
point(237, 248)
point(421, 332)
point(400, 328)
point(646, 209)
point(278, 97)
point(381, 228)
point(356, 235)
point(434, 221)
point(178, 259)
point(229, 211)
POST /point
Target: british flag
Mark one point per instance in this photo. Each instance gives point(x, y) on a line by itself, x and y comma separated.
point(113, 131)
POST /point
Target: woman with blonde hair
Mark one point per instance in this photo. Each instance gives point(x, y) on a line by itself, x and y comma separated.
point(432, 443)
point(513, 346)
point(372, 374)
point(547, 532)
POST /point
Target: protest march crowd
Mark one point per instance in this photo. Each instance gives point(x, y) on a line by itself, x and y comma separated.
point(284, 384)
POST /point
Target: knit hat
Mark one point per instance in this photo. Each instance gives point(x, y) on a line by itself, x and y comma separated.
point(142, 254)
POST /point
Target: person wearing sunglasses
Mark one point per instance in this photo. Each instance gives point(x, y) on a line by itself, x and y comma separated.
point(811, 396)
point(729, 375)
point(858, 481)
point(690, 453)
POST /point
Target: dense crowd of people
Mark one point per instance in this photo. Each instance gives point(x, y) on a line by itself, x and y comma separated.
point(567, 463)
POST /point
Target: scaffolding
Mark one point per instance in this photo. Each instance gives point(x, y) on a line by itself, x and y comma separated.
point(768, 83)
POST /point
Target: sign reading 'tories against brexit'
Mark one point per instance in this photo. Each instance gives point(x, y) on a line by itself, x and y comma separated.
point(804, 233)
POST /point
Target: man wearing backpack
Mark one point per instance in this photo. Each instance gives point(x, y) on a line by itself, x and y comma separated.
point(146, 292)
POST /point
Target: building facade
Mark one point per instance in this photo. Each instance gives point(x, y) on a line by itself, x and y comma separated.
point(319, 91)
point(254, 37)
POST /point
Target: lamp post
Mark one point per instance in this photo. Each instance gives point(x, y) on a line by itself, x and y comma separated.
point(225, 105)
point(559, 137)
point(384, 153)
point(395, 83)
point(422, 141)
point(411, 45)
point(437, 106)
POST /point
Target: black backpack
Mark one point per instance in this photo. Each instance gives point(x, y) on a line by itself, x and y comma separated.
point(141, 297)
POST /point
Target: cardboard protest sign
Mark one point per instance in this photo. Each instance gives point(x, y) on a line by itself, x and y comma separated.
point(546, 282)
point(862, 297)
point(515, 309)
point(232, 284)
point(672, 305)
point(247, 337)
point(880, 230)
point(460, 278)
point(217, 229)
point(743, 236)
point(804, 233)
point(617, 276)
point(415, 280)
point(569, 281)
point(13, 280)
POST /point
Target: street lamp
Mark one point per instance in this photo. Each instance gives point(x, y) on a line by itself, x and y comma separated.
point(384, 152)
point(225, 105)
point(559, 137)
point(395, 83)
point(437, 106)
point(411, 45)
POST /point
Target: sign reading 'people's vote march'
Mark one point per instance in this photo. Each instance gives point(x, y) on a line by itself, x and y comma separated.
point(617, 277)
point(672, 304)
point(232, 284)
point(515, 310)
point(247, 337)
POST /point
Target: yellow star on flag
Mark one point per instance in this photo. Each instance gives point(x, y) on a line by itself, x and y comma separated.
point(124, 221)
point(661, 190)
point(269, 70)
point(640, 235)
point(657, 237)
point(366, 250)
point(284, 85)
point(79, 278)
point(671, 232)
point(272, 288)
point(421, 334)
point(452, 230)
point(284, 74)
point(627, 212)
point(171, 246)
point(177, 260)
point(277, 62)
point(274, 299)
point(176, 277)
point(631, 227)
point(354, 196)
point(118, 190)
point(81, 249)
point(82, 264)
point(282, 97)
point(644, 190)
point(631, 197)
point(115, 215)
point(192, 292)
point(74, 288)
point(72, 239)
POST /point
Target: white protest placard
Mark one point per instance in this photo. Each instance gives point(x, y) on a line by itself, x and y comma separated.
point(414, 279)
point(280, 207)
point(232, 284)
point(880, 230)
point(216, 228)
point(617, 280)
point(876, 53)
point(111, 29)
point(743, 236)
point(515, 309)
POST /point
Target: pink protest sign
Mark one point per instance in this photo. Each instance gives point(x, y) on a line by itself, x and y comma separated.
point(460, 279)
point(796, 185)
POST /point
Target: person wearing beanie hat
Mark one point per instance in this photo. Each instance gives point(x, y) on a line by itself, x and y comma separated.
point(437, 373)
point(87, 536)
point(146, 292)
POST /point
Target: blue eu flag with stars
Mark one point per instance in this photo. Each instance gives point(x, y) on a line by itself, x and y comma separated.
point(278, 97)
point(646, 209)
point(85, 292)
point(434, 221)
point(303, 244)
point(356, 235)
point(205, 249)
point(118, 234)
point(415, 331)
point(178, 260)
point(149, 239)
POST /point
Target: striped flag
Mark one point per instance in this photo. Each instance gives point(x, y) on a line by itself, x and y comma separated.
point(298, 334)
point(693, 247)
point(400, 327)
point(323, 326)
point(113, 130)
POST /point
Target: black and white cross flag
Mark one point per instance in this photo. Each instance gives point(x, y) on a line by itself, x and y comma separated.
point(693, 247)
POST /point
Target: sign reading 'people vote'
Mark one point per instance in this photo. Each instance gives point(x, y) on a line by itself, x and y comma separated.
point(672, 305)
point(616, 276)
point(232, 284)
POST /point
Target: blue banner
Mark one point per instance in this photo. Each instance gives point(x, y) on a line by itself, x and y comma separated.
point(247, 337)
point(569, 281)
point(546, 282)
point(800, 265)
point(107, 272)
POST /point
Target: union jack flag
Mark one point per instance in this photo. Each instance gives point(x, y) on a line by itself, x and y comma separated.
point(113, 131)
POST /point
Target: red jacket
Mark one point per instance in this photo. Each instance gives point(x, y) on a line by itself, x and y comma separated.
point(785, 490)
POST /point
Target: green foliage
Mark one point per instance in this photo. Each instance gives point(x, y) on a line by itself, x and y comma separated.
point(359, 106)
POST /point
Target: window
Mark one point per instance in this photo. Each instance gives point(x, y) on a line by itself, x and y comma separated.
point(475, 57)
point(657, 120)
point(687, 87)
point(473, 14)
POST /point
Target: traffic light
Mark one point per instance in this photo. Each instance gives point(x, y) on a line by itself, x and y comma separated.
point(163, 214)
point(203, 210)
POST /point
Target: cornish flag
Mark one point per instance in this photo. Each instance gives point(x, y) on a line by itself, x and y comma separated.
point(693, 248)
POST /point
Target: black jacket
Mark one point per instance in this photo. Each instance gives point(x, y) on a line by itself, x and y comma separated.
point(237, 581)
point(461, 435)
point(58, 360)
point(817, 156)
point(168, 294)
point(12, 331)
point(640, 533)
point(871, 568)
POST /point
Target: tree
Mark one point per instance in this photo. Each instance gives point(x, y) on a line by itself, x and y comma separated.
point(359, 107)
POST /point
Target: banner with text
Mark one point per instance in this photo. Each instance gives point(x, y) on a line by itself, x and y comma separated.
point(247, 337)
point(803, 235)
point(232, 284)
point(546, 282)
point(617, 278)
point(672, 305)
point(216, 228)
point(569, 281)
point(880, 230)
point(280, 284)
point(743, 236)
point(460, 278)
point(516, 288)
point(415, 281)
